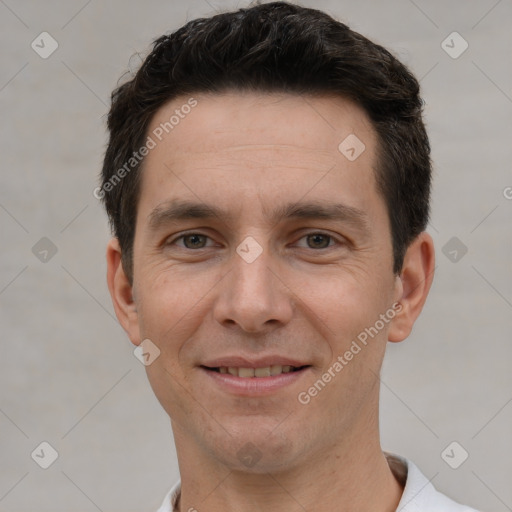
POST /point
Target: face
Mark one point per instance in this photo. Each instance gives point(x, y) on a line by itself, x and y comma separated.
point(260, 245)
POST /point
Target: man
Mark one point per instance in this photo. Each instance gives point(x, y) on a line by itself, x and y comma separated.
point(267, 180)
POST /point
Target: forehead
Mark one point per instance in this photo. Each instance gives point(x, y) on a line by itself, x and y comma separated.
point(264, 145)
point(316, 124)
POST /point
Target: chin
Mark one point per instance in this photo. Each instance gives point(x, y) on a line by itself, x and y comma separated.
point(259, 448)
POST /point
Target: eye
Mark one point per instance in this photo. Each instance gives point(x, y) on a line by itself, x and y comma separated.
point(318, 240)
point(192, 240)
point(315, 240)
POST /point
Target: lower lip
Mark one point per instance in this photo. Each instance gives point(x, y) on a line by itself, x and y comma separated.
point(253, 386)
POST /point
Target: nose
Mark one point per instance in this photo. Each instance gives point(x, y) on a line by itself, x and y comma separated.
point(253, 295)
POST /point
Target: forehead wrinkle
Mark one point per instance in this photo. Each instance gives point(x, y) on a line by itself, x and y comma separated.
point(316, 163)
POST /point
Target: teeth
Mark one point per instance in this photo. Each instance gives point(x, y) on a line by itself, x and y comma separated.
point(246, 372)
point(256, 372)
point(262, 372)
point(276, 369)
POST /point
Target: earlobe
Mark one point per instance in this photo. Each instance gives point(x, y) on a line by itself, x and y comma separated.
point(416, 279)
point(121, 292)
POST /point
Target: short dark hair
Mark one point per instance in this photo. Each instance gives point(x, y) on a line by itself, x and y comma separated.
point(276, 47)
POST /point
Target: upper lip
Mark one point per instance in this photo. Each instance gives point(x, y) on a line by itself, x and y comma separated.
point(260, 362)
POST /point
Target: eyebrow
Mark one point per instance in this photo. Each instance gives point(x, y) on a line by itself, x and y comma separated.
point(177, 210)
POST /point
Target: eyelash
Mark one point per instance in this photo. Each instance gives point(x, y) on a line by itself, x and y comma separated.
point(331, 238)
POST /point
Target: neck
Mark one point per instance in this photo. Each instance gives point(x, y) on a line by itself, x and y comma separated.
point(350, 475)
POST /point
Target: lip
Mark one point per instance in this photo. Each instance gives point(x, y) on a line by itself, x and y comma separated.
point(253, 386)
point(261, 362)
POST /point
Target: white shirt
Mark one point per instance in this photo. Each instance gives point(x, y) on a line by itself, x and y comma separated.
point(419, 494)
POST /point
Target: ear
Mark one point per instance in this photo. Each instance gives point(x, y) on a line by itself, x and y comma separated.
point(416, 279)
point(121, 292)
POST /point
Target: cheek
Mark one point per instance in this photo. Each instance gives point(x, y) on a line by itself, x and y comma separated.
point(170, 311)
point(348, 309)
point(345, 301)
point(173, 307)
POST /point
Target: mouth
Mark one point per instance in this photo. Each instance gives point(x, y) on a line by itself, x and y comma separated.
point(250, 381)
point(257, 373)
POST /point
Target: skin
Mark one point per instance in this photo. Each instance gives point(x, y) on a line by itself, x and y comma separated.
point(303, 296)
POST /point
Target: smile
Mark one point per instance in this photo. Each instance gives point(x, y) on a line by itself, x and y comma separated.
point(247, 381)
point(267, 371)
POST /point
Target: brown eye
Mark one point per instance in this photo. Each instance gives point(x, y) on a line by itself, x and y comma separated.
point(318, 241)
point(194, 241)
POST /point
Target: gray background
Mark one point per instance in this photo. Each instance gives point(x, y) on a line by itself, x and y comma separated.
point(68, 373)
